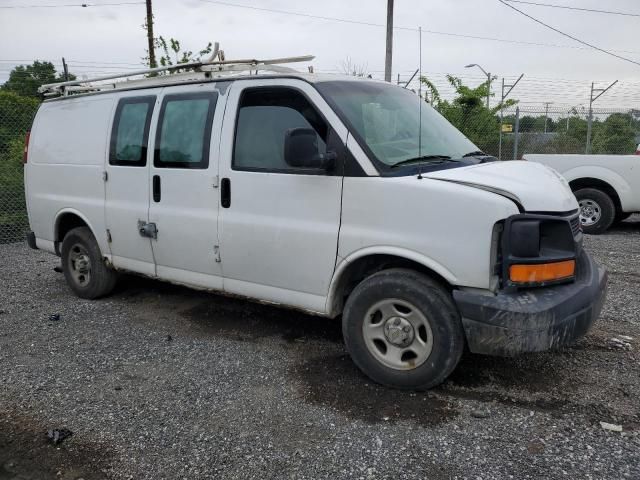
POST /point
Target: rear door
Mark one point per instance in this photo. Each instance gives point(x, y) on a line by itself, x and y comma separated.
point(127, 182)
point(183, 185)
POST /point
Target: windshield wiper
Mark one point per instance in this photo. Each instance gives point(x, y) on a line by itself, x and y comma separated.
point(477, 153)
point(423, 159)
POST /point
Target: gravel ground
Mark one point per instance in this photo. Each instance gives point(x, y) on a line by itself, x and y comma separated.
point(159, 382)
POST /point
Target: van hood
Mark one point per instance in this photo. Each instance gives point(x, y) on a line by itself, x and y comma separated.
point(535, 187)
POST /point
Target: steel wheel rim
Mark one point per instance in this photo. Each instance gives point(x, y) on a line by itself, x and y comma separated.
point(397, 334)
point(590, 212)
point(79, 264)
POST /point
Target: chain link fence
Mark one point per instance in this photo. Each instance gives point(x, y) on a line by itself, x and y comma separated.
point(16, 115)
point(522, 130)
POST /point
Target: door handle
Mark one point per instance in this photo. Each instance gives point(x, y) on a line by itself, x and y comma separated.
point(157, 194)
point(225, 193)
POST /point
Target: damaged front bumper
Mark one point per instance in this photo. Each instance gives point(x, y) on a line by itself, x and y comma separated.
point(535, 319)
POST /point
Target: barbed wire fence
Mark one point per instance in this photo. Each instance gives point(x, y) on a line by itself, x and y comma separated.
point(524, 130)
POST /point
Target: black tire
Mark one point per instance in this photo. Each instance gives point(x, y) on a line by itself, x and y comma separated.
point(605, 208)
point(621, 217)
point(432, 300)
point(81, 254)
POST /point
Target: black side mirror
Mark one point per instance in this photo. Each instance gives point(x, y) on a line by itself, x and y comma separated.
point(301, 150)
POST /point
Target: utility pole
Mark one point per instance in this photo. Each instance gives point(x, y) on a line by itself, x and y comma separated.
point(389, 48)
point(546, 114)
point(152, 51)
point(503, 98)
point(66, 70)
point(592, 99)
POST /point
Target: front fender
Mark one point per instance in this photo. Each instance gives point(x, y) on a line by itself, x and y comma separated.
point(403, 253)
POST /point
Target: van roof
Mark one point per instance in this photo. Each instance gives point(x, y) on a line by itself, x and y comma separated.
point(207, 71)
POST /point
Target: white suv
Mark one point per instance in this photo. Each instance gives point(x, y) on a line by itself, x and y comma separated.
point(337, 196)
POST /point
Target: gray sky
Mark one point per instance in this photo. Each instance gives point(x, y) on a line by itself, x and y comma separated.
point(94, 39)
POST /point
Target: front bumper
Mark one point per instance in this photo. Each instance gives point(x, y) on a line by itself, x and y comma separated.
point(535, 319)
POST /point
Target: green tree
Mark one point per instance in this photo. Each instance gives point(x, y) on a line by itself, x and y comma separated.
point(25, 80)
point(468, 112)
point(16, 115)
point(614, 135)
point(172, 53)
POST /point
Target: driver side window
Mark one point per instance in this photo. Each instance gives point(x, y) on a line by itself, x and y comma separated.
point(265, 114)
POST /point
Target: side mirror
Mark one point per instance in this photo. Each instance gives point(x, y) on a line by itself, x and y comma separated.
point(301, 150)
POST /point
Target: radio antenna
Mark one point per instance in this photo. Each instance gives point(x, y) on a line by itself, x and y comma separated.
point(420, 91)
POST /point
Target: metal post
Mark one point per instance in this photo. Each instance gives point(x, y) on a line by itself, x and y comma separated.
point(590, 119)
point(389, 47)
point(151, 47)
point(503, 98)
point(546, 114)
point(516, 134)
point(398, 79)
point(587, 148)
point(488, 88)
point(66, 70)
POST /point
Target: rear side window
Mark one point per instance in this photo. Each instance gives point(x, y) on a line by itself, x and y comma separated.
point(184, 130)
point(130, 133)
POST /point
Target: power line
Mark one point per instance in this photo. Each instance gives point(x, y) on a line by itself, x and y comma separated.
point(569, 36)
point(81, 5)
point(566, 7)
point(410, 29)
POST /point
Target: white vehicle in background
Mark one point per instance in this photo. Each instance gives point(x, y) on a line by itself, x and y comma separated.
point(607, 186)
point(334, 195)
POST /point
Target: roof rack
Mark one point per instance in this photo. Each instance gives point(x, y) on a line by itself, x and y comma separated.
point(200, 70)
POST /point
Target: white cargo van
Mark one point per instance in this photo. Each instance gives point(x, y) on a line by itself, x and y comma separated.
point(337, 196)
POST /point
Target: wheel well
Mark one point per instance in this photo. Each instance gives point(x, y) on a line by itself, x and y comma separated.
point(599, 185)
point(66, 223)
point(366, 266)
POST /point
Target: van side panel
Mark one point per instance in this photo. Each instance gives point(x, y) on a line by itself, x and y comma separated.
point(67, 152)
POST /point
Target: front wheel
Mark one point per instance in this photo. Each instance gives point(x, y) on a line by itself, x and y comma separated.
point(83, 266)
point(597, 211)
point(403, 330)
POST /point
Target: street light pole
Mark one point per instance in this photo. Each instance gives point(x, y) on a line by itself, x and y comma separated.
point(488, 80)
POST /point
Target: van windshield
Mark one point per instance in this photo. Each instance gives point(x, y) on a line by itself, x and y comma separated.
point(387, 119)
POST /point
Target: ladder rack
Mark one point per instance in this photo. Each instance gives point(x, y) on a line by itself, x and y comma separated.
point(200, 70)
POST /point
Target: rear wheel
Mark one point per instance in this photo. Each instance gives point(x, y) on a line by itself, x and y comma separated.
point(597, 211)
point(83, 265)
point(403, 330)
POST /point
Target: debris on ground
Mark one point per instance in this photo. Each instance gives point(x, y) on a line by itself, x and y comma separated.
point(58, 269)
point(479, 413)
point(611, 427)
point(168, 338)
point(620, 342)
point(54, 317)
point(58, 435)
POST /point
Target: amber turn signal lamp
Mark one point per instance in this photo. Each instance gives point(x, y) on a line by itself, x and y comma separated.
point(542, 272)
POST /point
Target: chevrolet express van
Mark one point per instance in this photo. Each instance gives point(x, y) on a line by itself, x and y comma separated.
point(336, 196)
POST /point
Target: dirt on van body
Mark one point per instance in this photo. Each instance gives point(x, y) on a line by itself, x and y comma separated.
point(158, 381)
